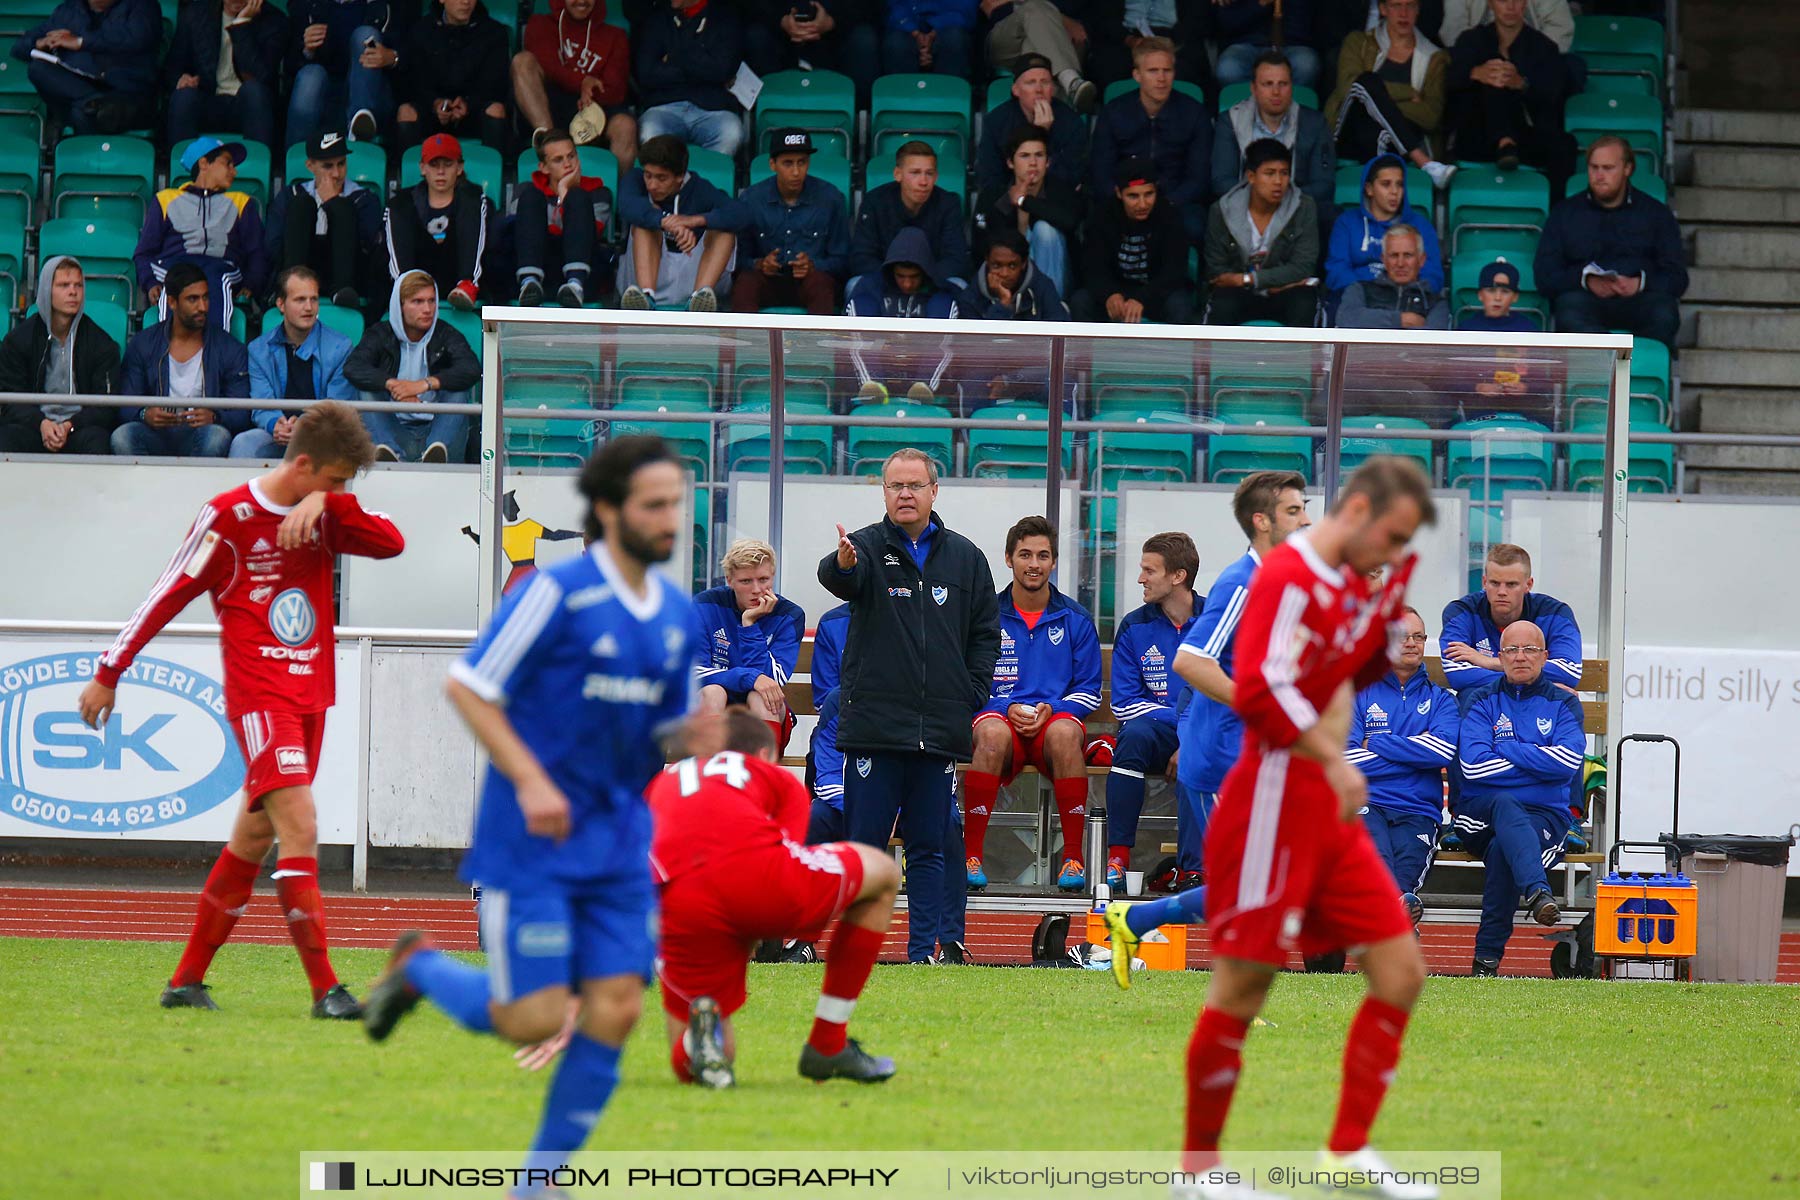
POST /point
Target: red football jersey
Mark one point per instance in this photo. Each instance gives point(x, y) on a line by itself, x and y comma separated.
point(1308, 627)
point(704, 812)
point(274, 606)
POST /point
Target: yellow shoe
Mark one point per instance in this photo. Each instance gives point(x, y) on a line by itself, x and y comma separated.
point(1124, 942)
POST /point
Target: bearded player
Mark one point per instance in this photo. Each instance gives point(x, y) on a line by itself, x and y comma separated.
point(730, 859)
point(1290, 865)
point(264, 552)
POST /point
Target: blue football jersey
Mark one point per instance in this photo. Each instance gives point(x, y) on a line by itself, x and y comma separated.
point(589, 673)
point(1211, 734)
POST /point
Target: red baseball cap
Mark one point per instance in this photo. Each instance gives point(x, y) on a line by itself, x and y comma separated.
point(440, 145)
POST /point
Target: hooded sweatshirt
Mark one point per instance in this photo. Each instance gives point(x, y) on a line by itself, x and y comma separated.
point(441, 60)
point(1301, 130)
point(571, 50)
point(1355, 249)
point(1287, 252)
point(875, 295)
point(31, 360)
point(385, 353)
point(1035, 299)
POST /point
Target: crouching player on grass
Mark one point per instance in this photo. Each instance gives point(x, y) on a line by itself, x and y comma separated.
point(730, 857)
point(264, 552)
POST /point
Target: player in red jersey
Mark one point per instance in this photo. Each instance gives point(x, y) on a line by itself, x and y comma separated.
point(729, 856)
point(264, 552)
point(1289, 864)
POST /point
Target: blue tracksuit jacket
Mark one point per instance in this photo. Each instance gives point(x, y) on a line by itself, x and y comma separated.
point(1058, 663)
point(734, 654)
point(1471, 622)
point(1143, 655)
point(1525, 742)
point(1411, 731)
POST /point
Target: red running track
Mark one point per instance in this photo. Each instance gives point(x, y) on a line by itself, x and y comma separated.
point(373, 922)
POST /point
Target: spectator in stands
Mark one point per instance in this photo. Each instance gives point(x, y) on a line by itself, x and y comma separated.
point(685, 55)
point(205, 223)
point(1390, 91)
point(1354, 251)
point(1036, 33)
point(104, 71)
point(1551, 18)
point(755, 639)
point(1144, 701)
point(929, 35)
point(912, 199)
point(560, 228)
point(906, 703)
point(184, 358)
point(413, 358)
point(1034, 105)
point(1262, 246)
point(1506, 96)
point(223, 71)
point(1009, 287)
point(904, 288)
point(1611, 257)
point(1473, 624)
point(1035, 203)
point(798, 240)
point(329, 223)
point(1269, 111)
point(828, 35)
point(344, 55)
point(1397, 298)
point(60, 352)
point(1117, 30)
point(1046, 682)
point(1246, 28)
point(1135, 255)
point(683, 231)
point(573, 60)
point(1170, 128)
point(1403, 733)
point(454, 79)
point(1499, 292)
point(1520, 746)
point(301, 358)
point(441, 225)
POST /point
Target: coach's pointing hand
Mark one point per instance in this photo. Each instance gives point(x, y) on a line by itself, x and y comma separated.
point(846, 550)
point(546, 809)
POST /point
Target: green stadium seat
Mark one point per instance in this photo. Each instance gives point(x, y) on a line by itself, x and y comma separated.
point(1129, 375)
point(469, 325)
point(1652, 386)
point(1465, 279)
point(640, 404)
point(828, 165)
point(1000, 91)
point(869, 446)
point(1524, 460)
point(1368, 441)
point(1637, 119)
point(821, 102)
point(670, 357)
point(1304, 96)
point(104, 246)
point(21, 108)
point(366, 163)
point(805, 449)
point(1152, 457)
point(481, 167)
point(1650, 184)
point(111, 176)
point(1489, 198)
point(1650, 467)
point(1231, 456)
point(1347, 187)
point(111, 317)
point(16, 16)
point(702, 514)
point(717, 169)
point(253, 175)
point(1621, 85)
point(807, 363)
point(905, 106)
point(545, 443)
point(1119, 87)
point(1010, 453)
point(18, 202)
point(1262, 374)
point(1621, 45)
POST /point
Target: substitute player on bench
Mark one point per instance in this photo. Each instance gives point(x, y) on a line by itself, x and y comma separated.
point(264, 552)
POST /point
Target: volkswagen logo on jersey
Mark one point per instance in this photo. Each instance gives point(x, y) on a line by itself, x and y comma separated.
point(1545, 724)
point(291, 618)
point(940, 594)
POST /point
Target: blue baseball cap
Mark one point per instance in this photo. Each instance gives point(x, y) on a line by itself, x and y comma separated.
point(207, 146)
point(1500, 274)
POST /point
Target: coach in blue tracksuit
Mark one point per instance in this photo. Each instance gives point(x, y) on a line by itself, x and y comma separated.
point(1403, 733)
point(1143, 700)
point(1268, 505)
point(918, 663)
point(1473, 625)
point(752, 638)
point(1520, 744)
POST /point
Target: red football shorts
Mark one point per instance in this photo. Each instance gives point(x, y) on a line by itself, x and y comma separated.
point(281, 750)
point(1285, 874)
point(1029, 752)
point(712, 919)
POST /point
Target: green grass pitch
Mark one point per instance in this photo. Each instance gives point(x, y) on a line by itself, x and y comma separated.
point(1591, 1090)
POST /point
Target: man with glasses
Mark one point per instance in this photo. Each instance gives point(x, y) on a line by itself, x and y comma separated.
point(1520, 745)
point(1402, 736)
point(918, 662)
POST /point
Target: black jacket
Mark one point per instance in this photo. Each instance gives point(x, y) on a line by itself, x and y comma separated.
point(442, 61)
point(1057, 203)
point(1162, 261)
point(257, 47)
point(376, 359)
point(919, 655)
point(677, 58)
point(25, 360)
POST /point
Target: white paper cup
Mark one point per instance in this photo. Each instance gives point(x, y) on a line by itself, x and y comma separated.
point(1134, 883)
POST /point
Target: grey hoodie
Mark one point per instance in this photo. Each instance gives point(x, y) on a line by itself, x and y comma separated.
point(413, 364)
point(1290, 250)
point(62, 354)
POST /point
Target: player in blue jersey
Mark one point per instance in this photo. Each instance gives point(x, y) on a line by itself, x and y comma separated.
point(1144, 701)
point(1268, 506)
point(825, 762)
point(569, 689)
point(1474, 623)
point(1402, 736)
point(753, 639)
